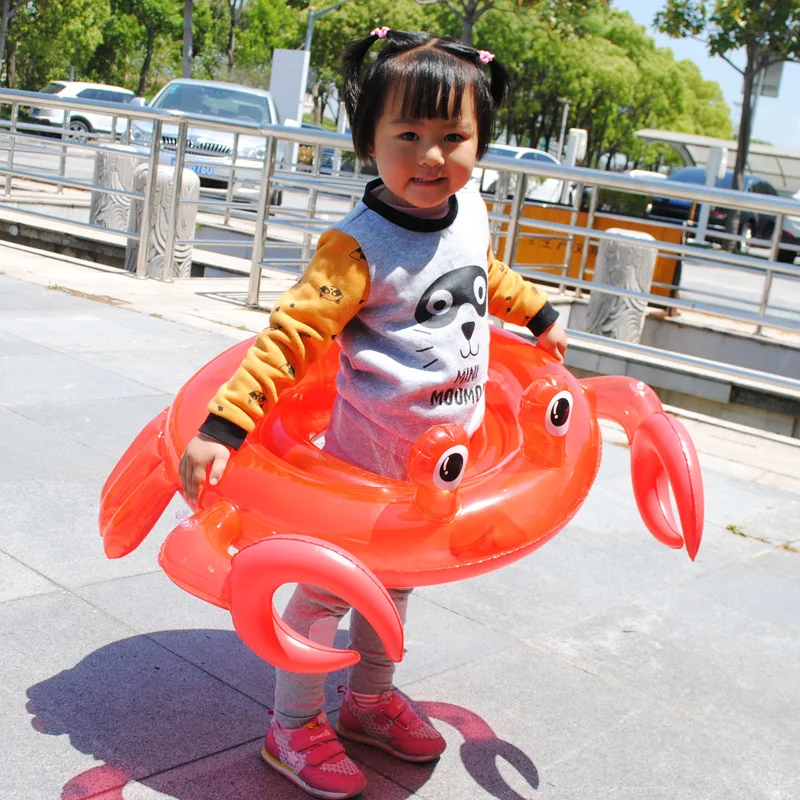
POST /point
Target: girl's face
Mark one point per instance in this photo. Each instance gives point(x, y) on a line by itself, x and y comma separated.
point(424, 161)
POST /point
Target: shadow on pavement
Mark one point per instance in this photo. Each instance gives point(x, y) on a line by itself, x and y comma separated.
point(144, 711)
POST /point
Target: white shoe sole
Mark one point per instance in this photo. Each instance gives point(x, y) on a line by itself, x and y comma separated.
point(361, 739)
point(291, 775)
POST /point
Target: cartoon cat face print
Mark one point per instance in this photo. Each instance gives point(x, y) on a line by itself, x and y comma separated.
point(442, 302)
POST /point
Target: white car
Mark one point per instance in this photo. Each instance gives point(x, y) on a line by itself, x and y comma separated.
point(791, 235)
point(209, 152)
point(79, 122)
point(546, 190)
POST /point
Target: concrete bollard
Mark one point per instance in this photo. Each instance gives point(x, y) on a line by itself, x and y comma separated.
point(159, 221)
point(629, 265)
point(114, 169)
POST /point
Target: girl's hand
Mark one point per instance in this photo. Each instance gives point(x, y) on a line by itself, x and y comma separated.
point(554, 341)
point(200, 453)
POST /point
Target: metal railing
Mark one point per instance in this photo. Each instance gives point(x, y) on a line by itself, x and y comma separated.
point(281, 235)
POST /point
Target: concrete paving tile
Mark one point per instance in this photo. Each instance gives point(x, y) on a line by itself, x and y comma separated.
point(124, 700)
point(505, 717)
point(17, 580)
point(237, 773)
point(630, 762)
point(730, 501)
point(582, 573)
point(51, 527)
point(14, 347)
point(768, 588)
point(167, 373)
point(60, 378)
point(41, 454)
point(711, 662)
point(429, 653)
point(102, 425)
point(778, 522)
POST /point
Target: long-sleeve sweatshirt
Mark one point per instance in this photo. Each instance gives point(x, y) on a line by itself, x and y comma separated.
point(407, 299)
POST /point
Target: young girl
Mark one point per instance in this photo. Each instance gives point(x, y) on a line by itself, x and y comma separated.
point(404, 284)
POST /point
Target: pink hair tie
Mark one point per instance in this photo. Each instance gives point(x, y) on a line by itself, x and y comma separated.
point(485, 56)
point(380, 32)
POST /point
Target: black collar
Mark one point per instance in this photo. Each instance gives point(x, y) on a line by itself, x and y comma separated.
point(408, 221)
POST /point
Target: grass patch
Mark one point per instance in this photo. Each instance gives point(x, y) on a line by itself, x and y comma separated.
point(98, 298)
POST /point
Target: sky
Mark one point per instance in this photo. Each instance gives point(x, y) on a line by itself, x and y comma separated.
point(777, 118)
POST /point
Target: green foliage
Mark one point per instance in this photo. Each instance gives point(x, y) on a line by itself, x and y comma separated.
point(584, 52)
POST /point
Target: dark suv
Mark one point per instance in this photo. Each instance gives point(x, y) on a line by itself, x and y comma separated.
point(752, 224)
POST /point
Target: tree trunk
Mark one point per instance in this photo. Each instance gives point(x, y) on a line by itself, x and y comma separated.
point(188, 13)
point(232, 36)
point(11, 64)
point(743, 145)
point(3, 31)
point(148, 58)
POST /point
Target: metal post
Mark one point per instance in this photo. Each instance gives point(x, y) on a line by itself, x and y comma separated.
point(261, 223)
point(573, 220)
point(229, 193)
point(62, 162)
point(773, 255)
point(512, 234)
point(565, 101)
point(11, 146)
point(589, 225)
point(312, 200)
point(172, 222)
point(149, 198)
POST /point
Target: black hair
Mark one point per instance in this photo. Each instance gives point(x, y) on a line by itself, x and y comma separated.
point(434, 73)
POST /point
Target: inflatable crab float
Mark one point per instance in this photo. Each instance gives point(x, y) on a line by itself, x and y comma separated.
point(287, 512)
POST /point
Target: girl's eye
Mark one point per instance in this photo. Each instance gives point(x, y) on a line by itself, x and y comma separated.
point(409, 136)
point(454, 137)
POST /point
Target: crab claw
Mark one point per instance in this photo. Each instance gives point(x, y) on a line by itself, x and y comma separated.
point(663, 456)
point(258, 571)
point(137, 492)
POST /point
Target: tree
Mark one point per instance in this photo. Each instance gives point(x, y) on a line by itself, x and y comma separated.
point(45, 37)
point(767, 30)
point(469, 12)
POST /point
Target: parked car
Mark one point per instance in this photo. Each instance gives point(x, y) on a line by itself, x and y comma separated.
point(546, 190)
point(79, 122)
point(752, 224)
point(791, 234)
point(210, 151)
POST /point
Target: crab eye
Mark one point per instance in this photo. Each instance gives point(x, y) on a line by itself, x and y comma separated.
point(440, 302)
point(558, 413)
point(450, 468)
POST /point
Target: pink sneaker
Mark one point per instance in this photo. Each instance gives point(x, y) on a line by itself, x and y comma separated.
point(392, 725)
point(313, 758)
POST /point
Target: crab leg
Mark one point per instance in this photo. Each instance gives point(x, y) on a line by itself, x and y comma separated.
point(137, 491)
point(258, 571)
point(662, 457)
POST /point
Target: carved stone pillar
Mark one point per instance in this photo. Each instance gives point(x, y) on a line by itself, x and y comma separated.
point(114, 169)
point(159, 221)
point(628, 264)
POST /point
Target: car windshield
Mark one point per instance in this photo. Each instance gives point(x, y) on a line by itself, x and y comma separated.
point(53, 88)
point(215, 101)
point(539, 157)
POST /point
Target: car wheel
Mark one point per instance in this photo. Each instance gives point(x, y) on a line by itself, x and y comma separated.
point(787, 256)
point(78, 130)
point(747, 237)
point(276, 198)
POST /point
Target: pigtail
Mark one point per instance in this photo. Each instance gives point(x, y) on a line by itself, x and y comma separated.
point(498, 82)
point(352, 64)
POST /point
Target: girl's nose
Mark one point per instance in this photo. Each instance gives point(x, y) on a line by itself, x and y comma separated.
point(432, 156)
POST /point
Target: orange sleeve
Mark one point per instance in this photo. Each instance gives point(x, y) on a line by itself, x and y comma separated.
point(511, 297)
point(302, 326)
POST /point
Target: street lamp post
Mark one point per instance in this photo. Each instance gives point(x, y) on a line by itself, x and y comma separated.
point(313, 16)
point(565, 101)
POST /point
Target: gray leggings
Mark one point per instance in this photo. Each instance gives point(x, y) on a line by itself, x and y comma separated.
point(315, 613)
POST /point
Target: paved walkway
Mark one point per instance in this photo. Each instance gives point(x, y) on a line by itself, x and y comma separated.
point(602, 666)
